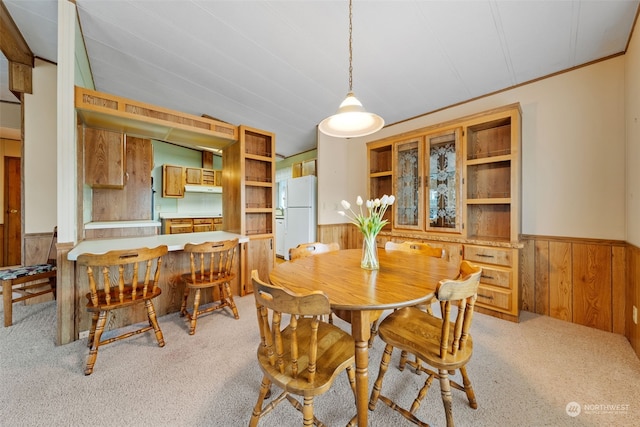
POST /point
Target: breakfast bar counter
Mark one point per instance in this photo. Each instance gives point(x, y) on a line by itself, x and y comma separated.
point(175, 263)
point(175, 242)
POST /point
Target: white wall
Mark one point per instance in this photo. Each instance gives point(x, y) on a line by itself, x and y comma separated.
point(342, 175)
point(40, 151)
point(632, 114)
point(573, 147)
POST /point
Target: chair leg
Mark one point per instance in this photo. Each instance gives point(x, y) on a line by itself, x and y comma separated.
point(153, 320)
point(7, 303)
point(53, 284)
point(468, 389)
point(377, 386)
point(194, 315)
point(374, 332)
point(92, 330)
point(183, 306)
point(265, 387)
point(230, 301)
point(445, 390)
point(95, 342)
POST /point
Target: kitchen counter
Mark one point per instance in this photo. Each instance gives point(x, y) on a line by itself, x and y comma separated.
point(175, 215)
point(120, 224)
point(175, 242)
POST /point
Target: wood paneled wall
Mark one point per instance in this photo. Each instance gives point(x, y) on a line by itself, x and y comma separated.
point(633, 296)
point(346, 235)
point(581, 281)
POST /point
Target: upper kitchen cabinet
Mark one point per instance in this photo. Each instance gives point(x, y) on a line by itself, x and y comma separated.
point(104, 158)
point(172, 181)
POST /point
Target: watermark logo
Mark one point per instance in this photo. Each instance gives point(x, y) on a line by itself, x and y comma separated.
point(573, 409)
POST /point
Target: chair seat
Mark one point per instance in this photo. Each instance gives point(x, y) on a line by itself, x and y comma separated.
point(115, 298)
point(336, 350)
point(418, 332)
point(23, 271)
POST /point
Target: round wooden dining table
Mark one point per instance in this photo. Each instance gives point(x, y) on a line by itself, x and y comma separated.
point(404, 279)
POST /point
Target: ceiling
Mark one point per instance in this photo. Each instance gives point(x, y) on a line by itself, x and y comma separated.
point(283, 66)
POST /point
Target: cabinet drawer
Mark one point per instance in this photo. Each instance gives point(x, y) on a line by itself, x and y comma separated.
point(180, 228)
point(197, 228)
point(496, 277)
point(494, 298)
point(487, 255)
point(202, 221)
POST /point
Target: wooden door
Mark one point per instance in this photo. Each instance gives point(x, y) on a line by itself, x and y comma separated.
point(13, 212)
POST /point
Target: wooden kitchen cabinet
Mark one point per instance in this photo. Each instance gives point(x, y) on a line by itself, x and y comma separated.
point(104, 158)
point(172, 181)
point(202, 176)
point(193, 175)
point(133, 201)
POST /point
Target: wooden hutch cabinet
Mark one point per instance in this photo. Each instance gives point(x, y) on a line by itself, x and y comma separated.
point(248, 179)
point(457, 186)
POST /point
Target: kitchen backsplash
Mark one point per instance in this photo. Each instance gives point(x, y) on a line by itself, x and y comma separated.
point(200, 203)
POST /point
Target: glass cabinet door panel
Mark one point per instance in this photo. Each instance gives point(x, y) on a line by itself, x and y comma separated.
point(444, 182)
point(408, 188)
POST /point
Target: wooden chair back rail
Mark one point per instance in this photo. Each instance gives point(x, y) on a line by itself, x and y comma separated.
point(302, 357)
point(212, 260)
point(423, 248)
point(314, 248)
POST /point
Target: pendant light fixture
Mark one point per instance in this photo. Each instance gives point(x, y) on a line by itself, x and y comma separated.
point(351, 120)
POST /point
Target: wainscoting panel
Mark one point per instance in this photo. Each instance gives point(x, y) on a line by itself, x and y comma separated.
point(632, 331)
point(577, 280)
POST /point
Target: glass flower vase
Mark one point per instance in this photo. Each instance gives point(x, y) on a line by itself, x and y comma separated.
point(369, 253)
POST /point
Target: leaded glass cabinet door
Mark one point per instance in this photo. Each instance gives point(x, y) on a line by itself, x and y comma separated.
point(444, 183)
point(408, 188)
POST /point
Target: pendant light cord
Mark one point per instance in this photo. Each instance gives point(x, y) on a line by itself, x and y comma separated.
point(350, 47)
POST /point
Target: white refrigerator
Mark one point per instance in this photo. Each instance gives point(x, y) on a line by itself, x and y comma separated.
point(300, 212)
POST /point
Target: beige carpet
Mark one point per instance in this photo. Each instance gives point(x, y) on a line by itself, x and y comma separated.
point(524, 375)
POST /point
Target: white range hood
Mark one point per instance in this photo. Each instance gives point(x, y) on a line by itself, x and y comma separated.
point(202, 189)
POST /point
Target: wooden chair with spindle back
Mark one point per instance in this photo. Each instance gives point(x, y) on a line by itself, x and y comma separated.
point(303, 357)
point(212, 265)
point(441, 345)
point(309, 249)
point(28, 281)
point(120, 279)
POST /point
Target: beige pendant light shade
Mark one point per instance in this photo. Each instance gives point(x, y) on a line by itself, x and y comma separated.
point(351, 120)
